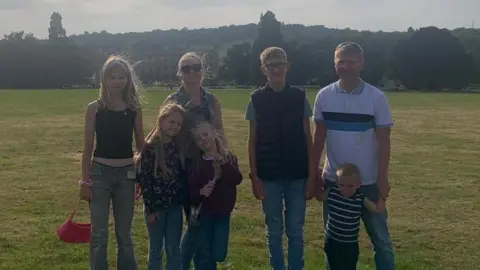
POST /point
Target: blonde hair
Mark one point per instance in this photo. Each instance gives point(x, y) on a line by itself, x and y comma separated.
point(348, 170)
point(130, 93)
point(219, 139)
point(155, 138)
point(196, 56)
point(272, 53)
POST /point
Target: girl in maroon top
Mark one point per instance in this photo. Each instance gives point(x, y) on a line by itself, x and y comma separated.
point(213, 185)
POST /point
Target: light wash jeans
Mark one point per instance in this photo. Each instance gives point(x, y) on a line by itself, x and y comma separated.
point(293, 193)
point(112, 184)
point(377, 229)
point(167, 229)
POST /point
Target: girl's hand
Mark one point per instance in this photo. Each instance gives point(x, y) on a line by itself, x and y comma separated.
point(84, 192)
point(219, 160)
point(138, 192)
point(152, 218)
point(207, 189)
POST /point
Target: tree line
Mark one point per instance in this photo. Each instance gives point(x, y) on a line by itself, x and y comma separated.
point(427, 58)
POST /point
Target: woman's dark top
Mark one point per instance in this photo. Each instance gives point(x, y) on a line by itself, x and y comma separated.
point(114, 133)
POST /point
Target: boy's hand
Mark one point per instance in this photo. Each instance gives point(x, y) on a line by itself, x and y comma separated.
point(84, 192)
point(257, 187)
point(152, 218)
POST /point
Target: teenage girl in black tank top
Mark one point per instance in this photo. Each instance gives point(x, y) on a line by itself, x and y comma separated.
point(109, 178)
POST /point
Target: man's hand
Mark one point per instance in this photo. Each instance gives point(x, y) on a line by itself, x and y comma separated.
point(257, 187)
point(383, 187)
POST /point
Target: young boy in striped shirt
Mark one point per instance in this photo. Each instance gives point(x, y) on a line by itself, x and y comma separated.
point(345, 203)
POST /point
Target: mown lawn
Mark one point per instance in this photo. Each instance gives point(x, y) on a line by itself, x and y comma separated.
point(434, 208)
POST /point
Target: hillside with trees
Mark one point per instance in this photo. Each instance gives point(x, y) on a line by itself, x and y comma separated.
point(426, 59)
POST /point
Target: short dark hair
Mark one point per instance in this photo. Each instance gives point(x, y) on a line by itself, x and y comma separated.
point(349, 47)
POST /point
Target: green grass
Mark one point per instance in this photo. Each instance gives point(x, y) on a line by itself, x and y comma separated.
point(434, 211)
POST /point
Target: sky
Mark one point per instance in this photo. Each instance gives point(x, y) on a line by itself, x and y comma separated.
point(120, 16)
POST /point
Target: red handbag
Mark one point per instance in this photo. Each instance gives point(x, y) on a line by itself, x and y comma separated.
point(72, 232)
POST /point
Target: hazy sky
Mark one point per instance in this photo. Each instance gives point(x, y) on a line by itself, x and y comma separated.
point(145, 15)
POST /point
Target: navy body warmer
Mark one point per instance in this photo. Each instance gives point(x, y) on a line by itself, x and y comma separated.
point(114, 133)
point(281, 148)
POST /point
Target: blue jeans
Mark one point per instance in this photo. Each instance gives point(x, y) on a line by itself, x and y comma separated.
point(112, 186)
point(377, 229)
point(167, 228)
point(293, 192)
point(212, 245)
point(188, 246)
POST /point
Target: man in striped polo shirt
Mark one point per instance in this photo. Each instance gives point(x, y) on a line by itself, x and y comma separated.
point(354, 118)
point(345, 204)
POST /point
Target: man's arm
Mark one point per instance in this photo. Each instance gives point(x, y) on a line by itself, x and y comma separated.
point(320, 132)
point(383, 124)
point(312, 169)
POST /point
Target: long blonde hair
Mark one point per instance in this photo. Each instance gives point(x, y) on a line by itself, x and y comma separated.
point(156, 139)
point(131, 94)
point(219, 139)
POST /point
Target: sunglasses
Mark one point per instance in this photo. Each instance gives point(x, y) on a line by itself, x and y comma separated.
point(191, 68)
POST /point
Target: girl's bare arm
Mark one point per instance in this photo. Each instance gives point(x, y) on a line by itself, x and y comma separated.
point(88, 139)
point(139, 136)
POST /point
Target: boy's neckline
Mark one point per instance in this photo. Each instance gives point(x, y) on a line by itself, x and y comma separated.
point(285, 86)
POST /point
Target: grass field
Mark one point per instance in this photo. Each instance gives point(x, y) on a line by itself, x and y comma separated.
point(434, 209)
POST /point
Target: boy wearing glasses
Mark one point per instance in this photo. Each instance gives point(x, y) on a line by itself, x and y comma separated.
point(280, 157)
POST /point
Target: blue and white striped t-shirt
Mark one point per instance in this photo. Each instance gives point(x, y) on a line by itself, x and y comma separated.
point(343, 223)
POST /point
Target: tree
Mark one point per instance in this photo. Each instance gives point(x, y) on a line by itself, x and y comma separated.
point(237, 63)
point(432, 59)
point(20, 35)
point(56, 30)
point(269, 35)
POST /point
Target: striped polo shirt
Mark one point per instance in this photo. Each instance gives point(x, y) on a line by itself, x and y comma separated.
point(343, 223)
point(350, 119)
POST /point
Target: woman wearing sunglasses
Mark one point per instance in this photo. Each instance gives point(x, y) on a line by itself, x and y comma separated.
point(198, 104)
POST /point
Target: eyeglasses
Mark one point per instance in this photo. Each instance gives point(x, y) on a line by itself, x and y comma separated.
point(191, 68)
point(271, 66)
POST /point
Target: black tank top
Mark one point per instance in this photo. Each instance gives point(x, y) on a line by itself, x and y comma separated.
point(114, 133)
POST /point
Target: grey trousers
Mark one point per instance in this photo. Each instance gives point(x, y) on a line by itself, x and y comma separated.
point(118, 186)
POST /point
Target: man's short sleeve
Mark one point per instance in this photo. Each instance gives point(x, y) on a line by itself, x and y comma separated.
point(250, 113)
point(317, 109)
point(307, 109)
point(383, 117)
